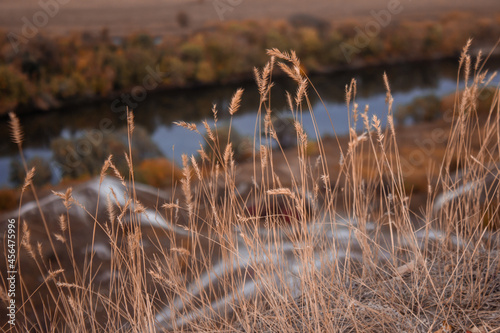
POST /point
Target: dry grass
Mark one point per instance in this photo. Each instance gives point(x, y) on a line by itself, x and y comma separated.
point(330, 252)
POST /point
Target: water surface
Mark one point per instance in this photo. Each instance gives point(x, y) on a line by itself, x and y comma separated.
point(158, 111)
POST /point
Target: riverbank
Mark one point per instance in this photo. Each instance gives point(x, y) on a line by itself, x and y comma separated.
point(57, 72)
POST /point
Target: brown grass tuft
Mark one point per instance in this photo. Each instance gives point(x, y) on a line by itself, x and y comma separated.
point(296, 243)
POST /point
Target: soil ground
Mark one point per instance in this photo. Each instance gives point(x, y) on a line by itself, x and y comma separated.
point(158, 17)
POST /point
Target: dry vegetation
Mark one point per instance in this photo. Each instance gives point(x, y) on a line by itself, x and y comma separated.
point(314, 252)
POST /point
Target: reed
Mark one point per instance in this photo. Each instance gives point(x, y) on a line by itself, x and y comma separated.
point(311, 244)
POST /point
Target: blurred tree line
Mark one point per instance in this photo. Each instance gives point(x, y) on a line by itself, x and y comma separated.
point(48, 72)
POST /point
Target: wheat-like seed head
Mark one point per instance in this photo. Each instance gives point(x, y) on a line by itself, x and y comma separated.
point(170, 205)
point(261, 83)
point(301, 92)
point(161, 278)
point(105, 168)
point(263, 156)
point(26, 240)
point(463, 103)
point(281, 191)
point(465, 50)
point(300, 132)
point(378, 128)
point(181, 251)
point(355, 113)
point(68, 199)
point(67, 285)
point(63, 225)
point(186, 184)
point(110, 209)
point(29, 179)
point(139, 208)
point(15, 129)
point(478, 60)
point(268, 69)
point(480, 79)
point(235, 101)
point(189, 126)
point(258, 79)
point(203, 154)
point(295, 59)
point(214, 112)
point(39, 249)
point(467, 69)
point(388, 95)
point(292, 73)
point(53, 274)
point(366, 120)
point(228, 153)
point(195, 167)
point(132, 243)
point(74, 305)
point(348, 93)
point(355, 139)
point(130, 120)
point(282, 55)
point(128, 159)
point(266, 73)
point(210, 134)
point(390, 121)
point(60, 238)
point(117, 173)
point(267, 122)
point(273, 133)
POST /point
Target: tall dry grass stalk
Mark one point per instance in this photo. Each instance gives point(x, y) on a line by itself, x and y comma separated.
point(326, 246)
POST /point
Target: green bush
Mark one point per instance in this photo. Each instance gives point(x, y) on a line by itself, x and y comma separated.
point(43, 172)
point(205, 72)
point(425, 108)
point(192, 50)
point(84, 155)
point(14, 88)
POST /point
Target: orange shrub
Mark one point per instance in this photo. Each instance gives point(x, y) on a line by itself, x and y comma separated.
point(8, 199)
point(158, 172)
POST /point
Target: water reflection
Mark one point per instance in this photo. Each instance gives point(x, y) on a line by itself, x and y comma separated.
point(157, 112)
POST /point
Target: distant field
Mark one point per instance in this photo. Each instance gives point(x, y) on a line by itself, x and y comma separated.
point(159, 16)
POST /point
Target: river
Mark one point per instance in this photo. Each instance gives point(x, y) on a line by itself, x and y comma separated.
point(157, 112)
